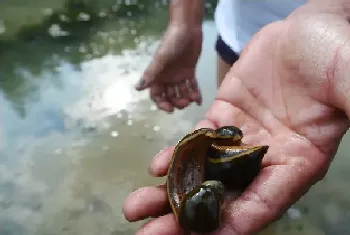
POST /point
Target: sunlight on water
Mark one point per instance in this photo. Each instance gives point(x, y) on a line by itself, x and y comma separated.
point(76, 138)
point(109, 83)
point(74, 179)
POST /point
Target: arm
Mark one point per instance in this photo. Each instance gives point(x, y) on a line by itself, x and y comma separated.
point(173, 65)
point(186, 13)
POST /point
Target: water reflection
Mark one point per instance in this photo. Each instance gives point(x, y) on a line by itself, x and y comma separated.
point(75, 138)
point(82, 138)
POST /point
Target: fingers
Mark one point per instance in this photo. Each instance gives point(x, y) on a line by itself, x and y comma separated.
point(146, 202)
point(166, 98)
point(157, 95)
point(182, 93)
point(169, 97)
point(159, 164)
point(151, 72)
point(175, 97)
point(273, 191)
point(141, 85)
point(195, 93)
point(184, 90)
point(151, 201)
point(164, 225)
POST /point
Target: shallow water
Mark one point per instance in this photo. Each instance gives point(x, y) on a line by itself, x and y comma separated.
point(75, 138)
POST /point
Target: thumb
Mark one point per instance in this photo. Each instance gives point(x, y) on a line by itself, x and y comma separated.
point(319, 46)
point(151, 74)
point(142, 84)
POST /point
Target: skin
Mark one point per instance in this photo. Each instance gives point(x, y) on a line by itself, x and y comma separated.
point(300, 107)
point(222, 69)
point(170, 77)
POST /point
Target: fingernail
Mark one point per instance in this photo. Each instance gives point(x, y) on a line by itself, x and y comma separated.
point(150, 172)
point(141, 84)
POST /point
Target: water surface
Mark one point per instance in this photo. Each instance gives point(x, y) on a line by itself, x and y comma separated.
point(76, 138)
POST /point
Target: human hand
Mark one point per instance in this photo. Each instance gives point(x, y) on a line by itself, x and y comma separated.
point(289, 90)
point(171, 74)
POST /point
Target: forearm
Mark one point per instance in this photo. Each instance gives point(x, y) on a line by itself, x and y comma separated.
point(186, 12)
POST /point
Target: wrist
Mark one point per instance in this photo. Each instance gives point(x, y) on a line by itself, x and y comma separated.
point(185, 28)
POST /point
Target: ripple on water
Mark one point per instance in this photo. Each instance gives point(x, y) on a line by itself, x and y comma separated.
point(114, 133)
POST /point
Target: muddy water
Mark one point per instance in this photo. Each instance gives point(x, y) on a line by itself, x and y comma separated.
point(75, 138)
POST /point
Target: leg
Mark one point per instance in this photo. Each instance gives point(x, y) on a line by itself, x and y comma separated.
point(221, 69)
point(226, 57)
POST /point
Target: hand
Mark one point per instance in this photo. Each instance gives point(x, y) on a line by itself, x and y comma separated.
point(171, 74)
point(288, 91)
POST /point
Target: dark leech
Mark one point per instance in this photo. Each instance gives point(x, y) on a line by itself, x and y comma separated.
point(216, 155)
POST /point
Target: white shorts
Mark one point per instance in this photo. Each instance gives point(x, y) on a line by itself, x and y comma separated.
point(238, 20)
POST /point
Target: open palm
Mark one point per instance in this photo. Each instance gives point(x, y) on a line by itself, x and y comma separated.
point(281, 93)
